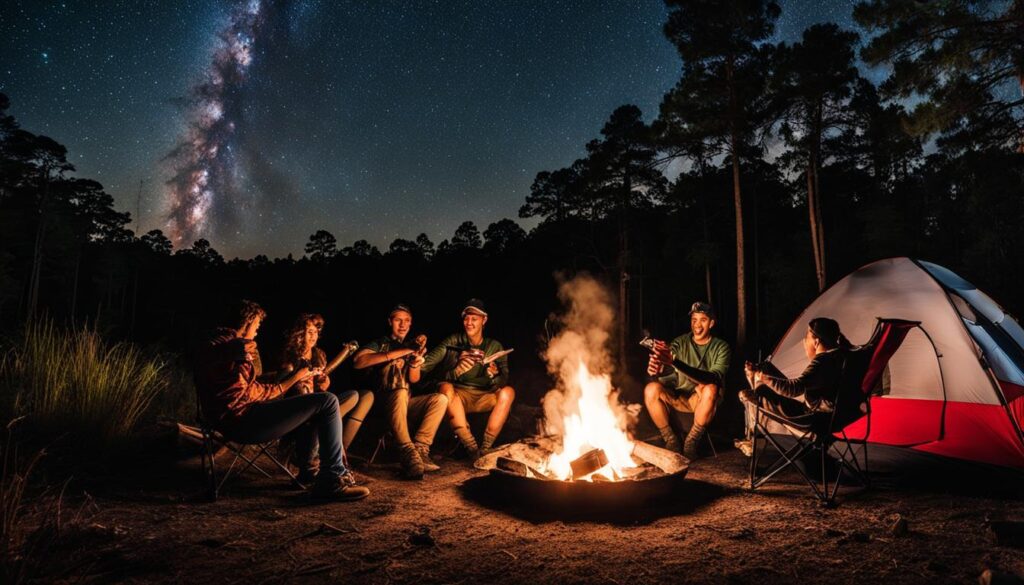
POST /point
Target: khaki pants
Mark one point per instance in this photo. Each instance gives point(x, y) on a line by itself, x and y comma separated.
point(404, 411)
point(476, 400)
point(685, 401)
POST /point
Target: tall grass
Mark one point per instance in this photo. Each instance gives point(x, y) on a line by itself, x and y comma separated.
point(14, 476)
point(72, 383)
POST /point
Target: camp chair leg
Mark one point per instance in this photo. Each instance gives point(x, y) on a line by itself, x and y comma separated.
point(209, 464)
point(789, 457)
point(382, 444)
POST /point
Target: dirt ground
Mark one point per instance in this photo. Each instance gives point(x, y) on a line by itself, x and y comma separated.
point(458, 526)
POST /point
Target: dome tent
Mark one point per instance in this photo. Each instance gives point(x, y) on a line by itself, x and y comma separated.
point(955, 389)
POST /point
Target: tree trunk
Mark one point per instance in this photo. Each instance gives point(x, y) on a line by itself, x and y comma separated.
point(1020, 80)
point(812, 216)
point(814, 199)
point(37, 248)
point(741, 277)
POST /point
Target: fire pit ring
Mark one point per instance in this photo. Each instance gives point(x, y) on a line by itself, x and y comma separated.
point(513, 472)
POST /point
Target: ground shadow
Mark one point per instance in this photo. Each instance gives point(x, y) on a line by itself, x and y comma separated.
point(540, 501)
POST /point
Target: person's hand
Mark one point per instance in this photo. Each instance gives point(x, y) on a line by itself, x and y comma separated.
point(466, 361)
point(752, 373)
point(304, 373)
point(249, 346)
point(323, 382)
point(416, 361)
point(492, 369)
point(662, 354)
point(653, 366)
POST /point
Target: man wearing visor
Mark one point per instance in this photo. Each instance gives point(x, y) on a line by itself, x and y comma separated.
point(471, 379)
point(689, 373)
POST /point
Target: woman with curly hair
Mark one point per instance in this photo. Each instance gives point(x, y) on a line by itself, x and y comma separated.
point(301, 351)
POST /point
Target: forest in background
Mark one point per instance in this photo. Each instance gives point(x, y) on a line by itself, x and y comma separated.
point(795, 171)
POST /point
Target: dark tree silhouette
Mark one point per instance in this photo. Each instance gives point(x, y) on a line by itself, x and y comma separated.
point(964, 55)
point(503, 236)
point(156, 241)
point(406, 247)
point(425, 245)
point(361, 249)
point(555, 195)
point(814, 81)
point(467, 237)
point(202, 251)
point(322, 246)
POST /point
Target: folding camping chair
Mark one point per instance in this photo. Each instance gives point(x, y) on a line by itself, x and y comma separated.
point(826, 432)
point(214, 441)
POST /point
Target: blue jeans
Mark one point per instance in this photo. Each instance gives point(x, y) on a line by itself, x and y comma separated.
point(266, 421)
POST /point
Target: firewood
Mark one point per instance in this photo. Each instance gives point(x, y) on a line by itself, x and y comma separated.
point(668, 461)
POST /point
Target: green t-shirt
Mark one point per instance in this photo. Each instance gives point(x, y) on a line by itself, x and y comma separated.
point(386, 376)
point(445, 356)
point(714, 357)
point(382, 344)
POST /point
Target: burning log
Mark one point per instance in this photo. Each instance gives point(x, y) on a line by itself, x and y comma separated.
point(512, 466)
point(588, 463)
point(668, 461)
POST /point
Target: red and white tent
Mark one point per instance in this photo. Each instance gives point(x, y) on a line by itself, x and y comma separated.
point(956, 389)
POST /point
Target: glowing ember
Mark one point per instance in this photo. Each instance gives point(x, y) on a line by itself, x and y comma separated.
point(596, 423)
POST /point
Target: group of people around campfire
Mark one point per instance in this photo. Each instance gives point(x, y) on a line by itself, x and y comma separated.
point(248, 405)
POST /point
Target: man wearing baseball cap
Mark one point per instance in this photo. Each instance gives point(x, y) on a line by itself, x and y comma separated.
point(470, 385)
point(689, 374)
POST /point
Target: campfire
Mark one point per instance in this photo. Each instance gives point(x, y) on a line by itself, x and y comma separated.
point(586, 429)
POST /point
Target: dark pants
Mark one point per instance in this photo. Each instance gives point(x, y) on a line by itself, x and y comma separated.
point(795, 412)
point(266, 421)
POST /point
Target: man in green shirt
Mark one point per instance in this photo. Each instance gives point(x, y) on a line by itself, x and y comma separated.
point(469, 384)
point(689, 374)
point(393, 365)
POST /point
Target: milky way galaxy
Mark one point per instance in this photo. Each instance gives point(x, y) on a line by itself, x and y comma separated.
point(204, 193)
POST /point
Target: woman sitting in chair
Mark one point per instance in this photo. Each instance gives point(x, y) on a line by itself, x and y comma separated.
point(826, 347)
point(301, 351)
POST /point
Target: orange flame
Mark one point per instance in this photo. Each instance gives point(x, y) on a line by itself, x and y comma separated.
point(593, 422)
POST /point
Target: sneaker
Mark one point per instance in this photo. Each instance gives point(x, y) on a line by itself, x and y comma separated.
point(349, 479)
point(424, 451)
point(746, 446)
point(339, 491)
point(412, 465)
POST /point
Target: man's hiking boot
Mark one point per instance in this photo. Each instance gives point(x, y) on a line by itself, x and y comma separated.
point(412, 465)
point(428, 464)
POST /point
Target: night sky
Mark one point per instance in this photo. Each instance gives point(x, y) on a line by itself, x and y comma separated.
point(373, 120)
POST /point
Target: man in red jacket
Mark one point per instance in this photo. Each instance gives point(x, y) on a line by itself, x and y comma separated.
point(249, 411)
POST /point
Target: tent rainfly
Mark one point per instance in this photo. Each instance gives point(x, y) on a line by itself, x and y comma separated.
point(956, 389)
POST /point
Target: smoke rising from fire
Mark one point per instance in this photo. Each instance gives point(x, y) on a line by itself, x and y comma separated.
point(587, 326)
